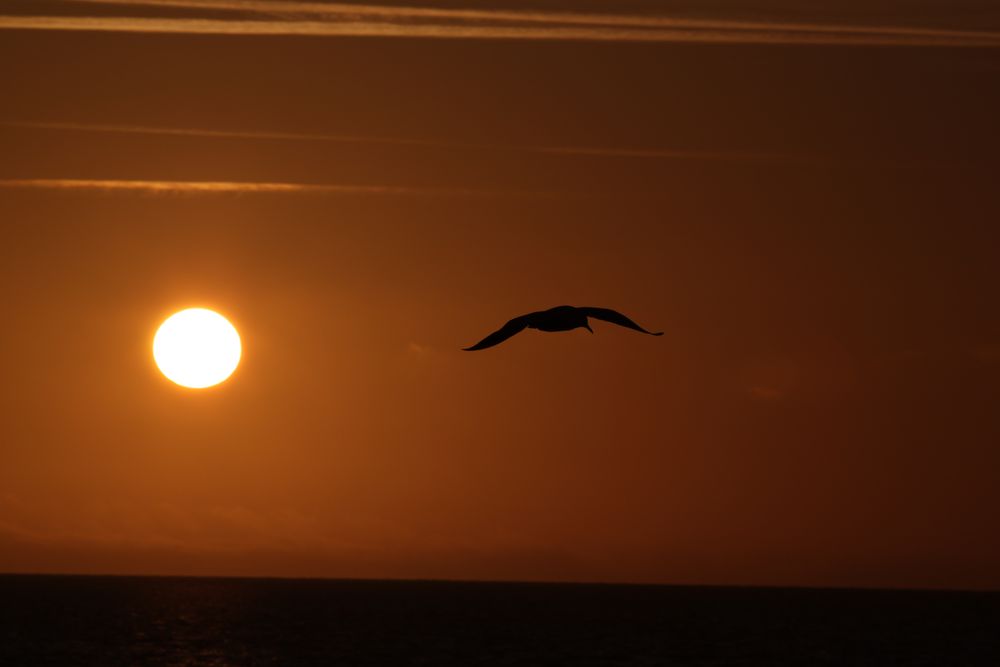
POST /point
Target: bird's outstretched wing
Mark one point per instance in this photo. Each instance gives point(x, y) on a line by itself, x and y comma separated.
point(615, 317)
point(516, 325)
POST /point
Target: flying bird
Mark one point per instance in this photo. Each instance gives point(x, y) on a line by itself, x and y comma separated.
point(560, 318)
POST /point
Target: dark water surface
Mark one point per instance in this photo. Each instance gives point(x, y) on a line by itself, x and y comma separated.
point(188, 621)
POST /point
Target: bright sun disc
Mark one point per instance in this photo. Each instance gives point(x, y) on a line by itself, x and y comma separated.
point(197, 348)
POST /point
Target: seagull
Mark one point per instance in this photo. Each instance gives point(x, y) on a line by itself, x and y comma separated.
point(560, 318)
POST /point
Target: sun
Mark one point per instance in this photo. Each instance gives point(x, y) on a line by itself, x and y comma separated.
point(197, 348)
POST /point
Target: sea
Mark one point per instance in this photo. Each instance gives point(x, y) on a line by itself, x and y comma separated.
point(90, 620)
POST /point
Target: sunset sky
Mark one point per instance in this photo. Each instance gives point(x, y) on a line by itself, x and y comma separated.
point(802, 195)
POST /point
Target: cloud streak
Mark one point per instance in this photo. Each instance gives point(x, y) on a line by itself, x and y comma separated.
point(581, 151)
point(152, 187)
point(266, 17)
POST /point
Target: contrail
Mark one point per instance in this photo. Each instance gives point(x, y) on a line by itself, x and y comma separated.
point(315, 19)
point(680, 154)
point(352, 12)
point(239, 187)
point(583, 151)
point(224, 134)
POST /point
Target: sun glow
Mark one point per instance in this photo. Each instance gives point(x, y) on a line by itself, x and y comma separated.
point(197, 348)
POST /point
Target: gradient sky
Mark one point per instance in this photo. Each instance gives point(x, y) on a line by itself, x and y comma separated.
point(805, 201)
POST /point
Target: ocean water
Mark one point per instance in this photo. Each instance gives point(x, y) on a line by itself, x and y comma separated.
point(48, 620)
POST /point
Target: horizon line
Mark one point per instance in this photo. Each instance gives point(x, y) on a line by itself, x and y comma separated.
point(518, 581)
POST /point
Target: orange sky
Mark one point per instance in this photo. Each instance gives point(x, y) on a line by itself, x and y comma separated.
point(813, 225)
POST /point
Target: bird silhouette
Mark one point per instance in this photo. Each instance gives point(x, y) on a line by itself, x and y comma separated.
point(560, 318)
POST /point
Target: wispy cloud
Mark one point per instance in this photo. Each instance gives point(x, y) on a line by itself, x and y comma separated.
point(223, 134)
point(582, 151)
point(267, 17)
point(235, 187)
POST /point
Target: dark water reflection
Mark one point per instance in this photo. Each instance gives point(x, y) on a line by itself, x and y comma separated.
point(178, 621)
